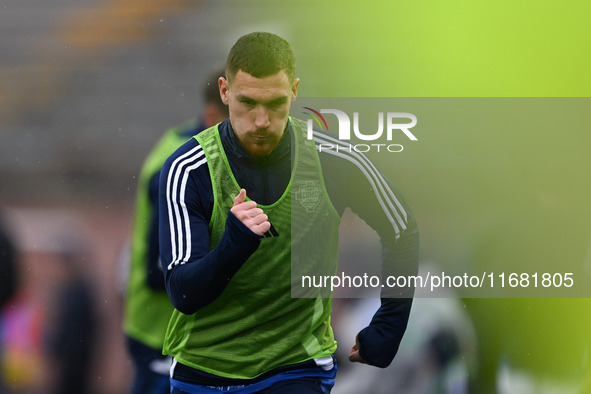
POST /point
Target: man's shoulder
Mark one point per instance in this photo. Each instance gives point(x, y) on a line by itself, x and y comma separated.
point(189, 155)
point(191, 152)
point(336, 154)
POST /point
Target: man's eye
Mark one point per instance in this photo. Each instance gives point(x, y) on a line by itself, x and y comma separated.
point(275, 105)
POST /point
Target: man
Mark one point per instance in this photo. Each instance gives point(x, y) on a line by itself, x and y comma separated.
point(228, 257)
point(148, 308)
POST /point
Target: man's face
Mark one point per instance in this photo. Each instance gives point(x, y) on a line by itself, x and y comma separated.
point(259, 108)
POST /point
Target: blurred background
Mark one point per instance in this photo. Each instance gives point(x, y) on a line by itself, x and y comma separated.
point(87, 88)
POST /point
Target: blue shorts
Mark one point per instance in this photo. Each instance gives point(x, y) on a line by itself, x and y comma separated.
point(301, 381)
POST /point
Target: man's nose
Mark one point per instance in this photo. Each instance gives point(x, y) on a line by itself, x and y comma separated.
point(261, 118)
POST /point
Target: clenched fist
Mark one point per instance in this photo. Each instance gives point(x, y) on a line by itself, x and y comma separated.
point(354, 355)
point(250, 215)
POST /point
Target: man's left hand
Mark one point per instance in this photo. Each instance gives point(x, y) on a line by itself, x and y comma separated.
point(354, 353)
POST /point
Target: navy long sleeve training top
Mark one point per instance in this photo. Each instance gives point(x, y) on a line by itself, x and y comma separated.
point(195, 276)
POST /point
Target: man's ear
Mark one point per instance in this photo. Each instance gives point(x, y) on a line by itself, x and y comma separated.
point(223, 84)
point(294, 88)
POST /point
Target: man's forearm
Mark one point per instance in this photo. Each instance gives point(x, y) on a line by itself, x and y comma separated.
point(200, 281)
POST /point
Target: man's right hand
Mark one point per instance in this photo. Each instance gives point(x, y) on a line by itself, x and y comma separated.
point(250, 215)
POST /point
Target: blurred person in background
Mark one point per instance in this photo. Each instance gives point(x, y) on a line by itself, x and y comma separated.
point(8, 281)
point(148, 308)
point(8, 265)
point(72, 319)
point(228, 260)
point(436, 356)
